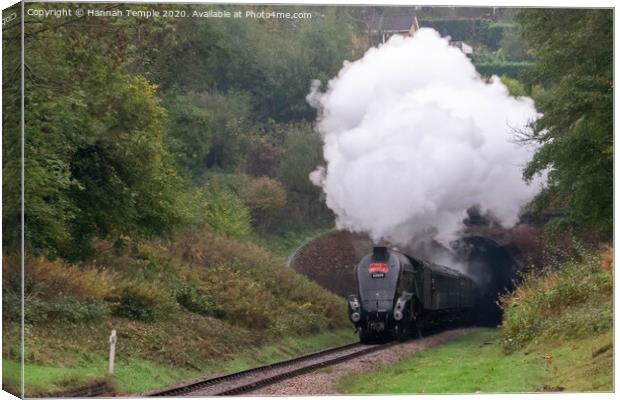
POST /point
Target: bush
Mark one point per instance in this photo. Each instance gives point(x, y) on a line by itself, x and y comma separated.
point(265, 197)
point(246, 300)
point(263, 158)
point(492, 33)
point(512, 69)
point(194, 301)
point(68, 310)
point(56, 279)
point(144, 301)
point(515, 88)
point(230, 119)
point(226, 213)
point(301, 322)
point(303, 153)
point(255, 288)
point(37, 309)
point(55, 290)
point(572, 300)
point(190, 132)
point(207, 249)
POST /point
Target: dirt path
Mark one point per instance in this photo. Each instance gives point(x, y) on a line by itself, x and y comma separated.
point(322, 382)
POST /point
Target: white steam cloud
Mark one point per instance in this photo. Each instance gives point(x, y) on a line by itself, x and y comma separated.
point(414, 137)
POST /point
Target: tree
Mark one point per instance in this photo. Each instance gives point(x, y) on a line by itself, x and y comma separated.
point(573, 50)
point(231, 119)
point(303, 153)
point(265, 197)
point(263, 158)
point(190, 133)
point(225, 212)
point(96, 160)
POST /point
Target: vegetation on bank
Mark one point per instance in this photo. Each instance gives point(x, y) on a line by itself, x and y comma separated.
point(134, 375)
point(194, 304)
point(571, 300)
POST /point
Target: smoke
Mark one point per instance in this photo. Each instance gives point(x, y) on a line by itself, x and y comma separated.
point(413, 137)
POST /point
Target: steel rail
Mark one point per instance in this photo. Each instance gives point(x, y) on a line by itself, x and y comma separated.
point(204, 383)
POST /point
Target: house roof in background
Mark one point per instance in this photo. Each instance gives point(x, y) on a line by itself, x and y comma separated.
point(390, 23)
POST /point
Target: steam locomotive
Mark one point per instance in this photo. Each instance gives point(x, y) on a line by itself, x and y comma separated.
point(398, 295)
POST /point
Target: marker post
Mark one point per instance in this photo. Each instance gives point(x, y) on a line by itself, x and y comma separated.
point(112, 341)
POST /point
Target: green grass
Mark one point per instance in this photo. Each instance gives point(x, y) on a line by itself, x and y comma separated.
point(473, 363)
point(580, 365)
point(130, 375)
point(135, 375)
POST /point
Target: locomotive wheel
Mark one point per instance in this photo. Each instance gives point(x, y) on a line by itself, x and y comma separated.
point(402, 333)
point(402, 330)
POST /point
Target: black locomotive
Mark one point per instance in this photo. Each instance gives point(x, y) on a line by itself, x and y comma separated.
point(398, 295)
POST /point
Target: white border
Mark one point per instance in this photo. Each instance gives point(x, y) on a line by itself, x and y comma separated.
point(497, 3)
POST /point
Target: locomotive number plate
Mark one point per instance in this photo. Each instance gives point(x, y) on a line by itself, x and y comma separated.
point(378, 275)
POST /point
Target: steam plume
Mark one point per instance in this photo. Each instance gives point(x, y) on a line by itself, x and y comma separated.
point(413, 137)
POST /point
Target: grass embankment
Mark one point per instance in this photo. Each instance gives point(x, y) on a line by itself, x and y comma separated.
point(566, 312)
point(556, 335)
point(196, 305)
point(137, 375)
point(469, 364)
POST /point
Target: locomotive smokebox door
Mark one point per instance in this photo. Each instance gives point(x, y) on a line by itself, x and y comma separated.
point(380, 253)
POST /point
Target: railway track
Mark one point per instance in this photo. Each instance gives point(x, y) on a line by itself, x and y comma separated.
point(254, 378)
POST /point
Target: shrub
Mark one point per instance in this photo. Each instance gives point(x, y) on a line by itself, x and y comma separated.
point(55, 290)
point(144, 301)
point(263, 158)
point(264, 196)
point(190, 132)
point(67, 310)
point(512, 69)
point(230, 118)
point(300, 322)
point(246, 300)
point(205, 248)
point(256, 289)
point(303, 154)
point(56, 279)
point(195, 301)
point(515, 88)
point(226, 213)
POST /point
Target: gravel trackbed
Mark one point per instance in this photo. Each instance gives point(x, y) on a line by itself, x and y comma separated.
point(322, 382)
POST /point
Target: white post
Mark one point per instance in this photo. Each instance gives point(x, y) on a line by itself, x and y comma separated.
point(112, 341)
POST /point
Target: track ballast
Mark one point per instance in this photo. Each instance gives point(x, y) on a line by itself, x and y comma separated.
point(254, 378)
